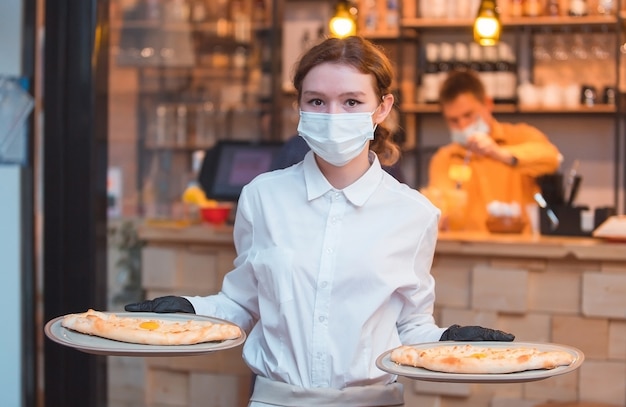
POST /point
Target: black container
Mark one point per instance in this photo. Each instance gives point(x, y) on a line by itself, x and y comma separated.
point(551, 186)
point(569, 221)
point(588, 95)
point(601, 214)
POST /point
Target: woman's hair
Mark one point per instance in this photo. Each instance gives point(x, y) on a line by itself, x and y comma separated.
point(459, 82)
point(367, 58)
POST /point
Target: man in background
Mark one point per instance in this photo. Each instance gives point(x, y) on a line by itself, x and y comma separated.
point(486, 161)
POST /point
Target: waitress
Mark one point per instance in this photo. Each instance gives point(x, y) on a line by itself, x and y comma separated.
point(333, 253)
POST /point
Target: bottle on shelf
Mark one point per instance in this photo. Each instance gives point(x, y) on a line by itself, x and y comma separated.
point(461, 56)
point(219, 57)
point(259, 13)
point(162, 125)
point(516, 8)
point(488, 70)
point(532, 8)
point(177, 11)
point(239, 59)
point(606, 7)
point(223, 22)
point(241, 22)
point(506, 75)
point(205, 125)
point(553, 8)
point(181, 124)
point(475, 56)
point(433, 8)
point(392, 17)
point(444, 64)
point(198, 11)
point(370, 19)
point(430, 77)
point(464, 9)
point(578, 8)
point(152, 10)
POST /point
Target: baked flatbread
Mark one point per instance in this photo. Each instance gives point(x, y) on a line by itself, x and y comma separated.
point(480, 359)
point(149, 331)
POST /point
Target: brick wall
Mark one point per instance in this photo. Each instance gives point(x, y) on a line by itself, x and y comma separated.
point(566, 291)
point(581, 303)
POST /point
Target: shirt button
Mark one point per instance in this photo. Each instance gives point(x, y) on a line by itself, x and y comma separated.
point(329, 250)
point(325, 284)
point(322, 319)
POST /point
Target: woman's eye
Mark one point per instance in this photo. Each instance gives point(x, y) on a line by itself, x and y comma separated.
point(315, 102)
point(352, 102)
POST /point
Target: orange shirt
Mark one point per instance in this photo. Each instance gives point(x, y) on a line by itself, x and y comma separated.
point(492, 180)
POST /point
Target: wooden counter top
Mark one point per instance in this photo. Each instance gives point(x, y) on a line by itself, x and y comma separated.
point(558, 247)
point(187, 234)
point(479, 244)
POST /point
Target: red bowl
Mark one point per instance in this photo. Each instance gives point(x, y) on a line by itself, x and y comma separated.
point(215, 215)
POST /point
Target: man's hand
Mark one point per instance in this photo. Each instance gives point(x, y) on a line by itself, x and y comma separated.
point(483, 144)
point(475, 333)
point(162, 305)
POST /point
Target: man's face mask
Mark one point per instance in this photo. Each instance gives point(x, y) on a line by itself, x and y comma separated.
point(462, 136)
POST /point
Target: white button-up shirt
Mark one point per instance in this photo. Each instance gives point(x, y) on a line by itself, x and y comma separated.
point(326, 280)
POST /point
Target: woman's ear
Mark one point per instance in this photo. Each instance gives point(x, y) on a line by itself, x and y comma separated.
point(384, 108)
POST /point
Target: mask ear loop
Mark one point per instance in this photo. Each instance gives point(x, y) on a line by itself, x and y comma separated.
point(383, 99)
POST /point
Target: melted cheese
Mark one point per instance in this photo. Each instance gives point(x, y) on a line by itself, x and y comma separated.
point(149, 325)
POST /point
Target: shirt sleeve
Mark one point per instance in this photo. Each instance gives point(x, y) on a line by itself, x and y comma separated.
point(416, 323)
point(237, 301)
point(535, 154)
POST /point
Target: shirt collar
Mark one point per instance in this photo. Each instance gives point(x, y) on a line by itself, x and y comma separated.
point(357, 193)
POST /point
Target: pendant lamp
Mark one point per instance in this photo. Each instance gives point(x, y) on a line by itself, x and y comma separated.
point(343, 22)
point(487, 25)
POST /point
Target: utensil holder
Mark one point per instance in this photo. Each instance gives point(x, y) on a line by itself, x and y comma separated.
point(569, 221)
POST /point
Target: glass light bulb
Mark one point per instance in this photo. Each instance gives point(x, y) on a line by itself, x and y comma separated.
point(487, 27)
point(487, 24)
point(342, 26)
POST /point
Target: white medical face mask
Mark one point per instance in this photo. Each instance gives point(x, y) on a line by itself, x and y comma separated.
point(337, 138)
point(461, 136)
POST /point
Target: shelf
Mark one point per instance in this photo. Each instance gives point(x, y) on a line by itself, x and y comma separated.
point(427, 108)
point(431, 108)
point(432, 23)
point(381, 35)
point(596, 109)
point(175, 146)
point(179, 26)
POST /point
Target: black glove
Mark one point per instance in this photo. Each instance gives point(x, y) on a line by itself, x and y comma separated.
point(475, 333)
point(169, 303)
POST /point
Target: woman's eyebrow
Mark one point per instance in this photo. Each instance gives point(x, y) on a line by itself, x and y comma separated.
point(344, 94)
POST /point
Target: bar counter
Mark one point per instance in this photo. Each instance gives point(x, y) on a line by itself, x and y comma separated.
point(522, 245)
point(568, 290)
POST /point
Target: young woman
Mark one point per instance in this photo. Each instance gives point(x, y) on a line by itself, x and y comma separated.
point(333, 253)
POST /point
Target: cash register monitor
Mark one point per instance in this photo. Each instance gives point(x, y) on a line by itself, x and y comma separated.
point(230, 165)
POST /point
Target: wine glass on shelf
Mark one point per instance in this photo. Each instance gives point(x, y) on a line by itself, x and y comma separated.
point(540, 50)
point(601, 45)
point(579, 46)
point(559, 50)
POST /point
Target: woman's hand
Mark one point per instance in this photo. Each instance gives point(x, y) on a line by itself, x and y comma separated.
point(475, 333)
point(169, 303)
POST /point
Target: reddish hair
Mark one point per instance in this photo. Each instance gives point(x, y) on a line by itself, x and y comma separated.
point(367, 58)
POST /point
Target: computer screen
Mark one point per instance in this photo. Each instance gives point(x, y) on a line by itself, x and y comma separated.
point(232, 164)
